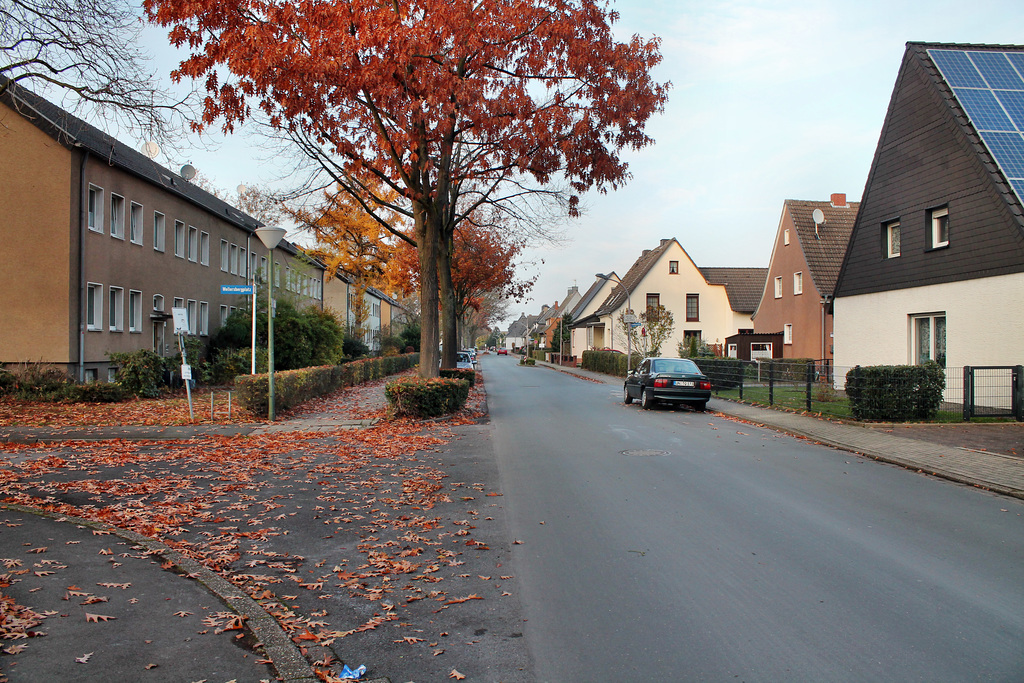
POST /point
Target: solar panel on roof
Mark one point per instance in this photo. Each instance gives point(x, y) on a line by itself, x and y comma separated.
point(989, 85)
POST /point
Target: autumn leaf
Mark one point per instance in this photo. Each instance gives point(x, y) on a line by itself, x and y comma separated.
point(84, 658)
point(182, 613)
point(97, 617)
point(456, 675)
point(38, 550)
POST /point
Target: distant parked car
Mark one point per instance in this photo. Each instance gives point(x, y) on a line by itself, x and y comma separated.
point(463, 361)
point(502, 351)
point(676, 380)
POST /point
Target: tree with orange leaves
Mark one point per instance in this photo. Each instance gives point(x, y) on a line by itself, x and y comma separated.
point(453, 105)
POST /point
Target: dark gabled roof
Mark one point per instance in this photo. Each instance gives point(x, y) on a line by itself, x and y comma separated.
point(636, 273)
point(742, 285)
point(823, 246)
point(74, 133)
point(587, 297)
point(520, 327)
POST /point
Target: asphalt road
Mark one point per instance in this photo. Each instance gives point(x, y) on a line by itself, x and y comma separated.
point(738, 554)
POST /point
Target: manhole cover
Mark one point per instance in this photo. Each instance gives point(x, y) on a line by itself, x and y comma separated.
point(645, 452)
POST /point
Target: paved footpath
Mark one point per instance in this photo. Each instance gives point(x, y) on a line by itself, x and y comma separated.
point(1002, 474)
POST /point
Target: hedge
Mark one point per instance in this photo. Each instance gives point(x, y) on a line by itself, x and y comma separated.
point(293, 387)
point(895, 392)
point(457, 373)
point(418, 397)
point(608, 362)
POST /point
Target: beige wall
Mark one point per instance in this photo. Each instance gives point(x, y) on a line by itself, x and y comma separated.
point(802, 311)
point(38, 297)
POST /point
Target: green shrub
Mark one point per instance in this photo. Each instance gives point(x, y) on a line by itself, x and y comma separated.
point(139, 373)
point(724, 373)
point(608, 362)
point(39, 382)
point(96, 392)
point(464, 373)
point(527, 361)
point(7, 382)
point(353, 347)
point(418, 397)
point(895, 393)
point(293, 387)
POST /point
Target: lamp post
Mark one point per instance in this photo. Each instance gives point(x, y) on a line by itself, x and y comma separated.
point(270, 238)
point(629, 329)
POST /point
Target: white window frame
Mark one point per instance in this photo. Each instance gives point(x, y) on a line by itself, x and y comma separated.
point(798, 282)
point(190, 308)
point(892, 229)
point(204, 318)
point(193, 244)
point(94, 298)
point(778, 287)
point(179, 239)
point(159, 231)
point(158, 302)
point(243, 261)
point(224, 258)
point(115, 315)
point(787, 333)
point(233, 259)
point(936, 225)
point(117, 216)
point(224, 313)
point(933, 351)
point(135, 220)
point(204, 248)
point(134, 310)
point(111, 375)
point(785, 237)
point(96, 209)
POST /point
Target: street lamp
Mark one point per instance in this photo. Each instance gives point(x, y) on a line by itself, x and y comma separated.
point(629, 329)
point(270, 238)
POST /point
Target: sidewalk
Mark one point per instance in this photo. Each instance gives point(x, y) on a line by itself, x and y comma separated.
point(1002, 474)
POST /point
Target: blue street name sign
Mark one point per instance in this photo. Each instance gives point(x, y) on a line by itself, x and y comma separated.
point(236, 289)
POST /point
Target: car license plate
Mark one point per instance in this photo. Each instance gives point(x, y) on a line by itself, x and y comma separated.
point(680, 383)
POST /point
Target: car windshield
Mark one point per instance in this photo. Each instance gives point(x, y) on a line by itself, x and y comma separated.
point(462, 357)
point(674, 365)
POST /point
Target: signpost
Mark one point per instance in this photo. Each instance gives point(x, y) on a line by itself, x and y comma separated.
point(180, 317)
point(236, 289)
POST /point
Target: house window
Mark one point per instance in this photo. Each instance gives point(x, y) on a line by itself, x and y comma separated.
point(891, 236)
point(204, 248)
point(939, 221)
point(787, 333)
point(135, 223)
point(252, 265)
point(778, 287)
point(733, 351)
point(243, 259)
point(158, 231)
point(204, 318)
point(277, 274)
point(233, 259)
point(191, 310)
point(91, 375)
point(929, 338)
point(117, 216)
point(798, 283)
point(95, 209)
point(178, 302)
point(158, 303)
point(193, 244)
point(94, 307)
point(673, 267)
point(263, 268)
point(224, 315)
point(134, 311)
point(653, 301)
point(111, 375)
point(785, 237)
point(115, 313)
point(179, 239)
point(692, 308)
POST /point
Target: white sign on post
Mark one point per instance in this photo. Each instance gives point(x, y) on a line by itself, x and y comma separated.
point(180, 316)
point(186, 372)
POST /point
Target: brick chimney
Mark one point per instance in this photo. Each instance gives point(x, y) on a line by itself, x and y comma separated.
point(839, 199)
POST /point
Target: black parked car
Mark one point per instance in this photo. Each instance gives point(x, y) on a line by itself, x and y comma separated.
point(678, 380)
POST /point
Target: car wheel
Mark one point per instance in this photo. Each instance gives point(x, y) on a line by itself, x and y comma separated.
point(647, 399)
point(700, 405)
point(626, 398)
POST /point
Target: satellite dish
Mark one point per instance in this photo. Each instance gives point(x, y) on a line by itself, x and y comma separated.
point(818, 216)
point(241, 189)
point(150, 149)
point(188, 171)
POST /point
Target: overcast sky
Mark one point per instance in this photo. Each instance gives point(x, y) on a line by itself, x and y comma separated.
point(769, 101)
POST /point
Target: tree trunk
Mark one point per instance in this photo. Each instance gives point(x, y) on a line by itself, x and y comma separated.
point(449, 333)
point(427, 238)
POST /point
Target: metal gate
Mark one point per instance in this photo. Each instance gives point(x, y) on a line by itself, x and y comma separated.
point(994, 391)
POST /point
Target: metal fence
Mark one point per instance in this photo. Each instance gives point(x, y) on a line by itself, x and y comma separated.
point(820, 387)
